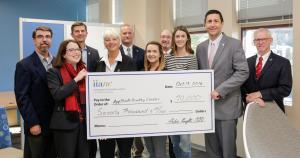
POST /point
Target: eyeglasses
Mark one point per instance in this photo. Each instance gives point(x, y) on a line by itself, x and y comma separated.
point(41, 36)
point(260, 40)
point(74, 50)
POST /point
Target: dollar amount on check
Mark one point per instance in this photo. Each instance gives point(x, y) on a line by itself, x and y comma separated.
point(135, 104)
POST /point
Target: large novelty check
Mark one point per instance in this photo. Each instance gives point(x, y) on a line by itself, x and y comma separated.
point(134, 104)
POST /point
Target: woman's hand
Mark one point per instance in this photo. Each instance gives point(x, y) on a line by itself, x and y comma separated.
point(81, 75)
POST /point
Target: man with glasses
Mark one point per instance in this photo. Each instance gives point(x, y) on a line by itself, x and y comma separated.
point(270, 76)
point(33, 97)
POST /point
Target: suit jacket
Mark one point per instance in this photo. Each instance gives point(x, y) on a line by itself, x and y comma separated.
point(127, 64)
point(92, 58)
point(230, 71)
point(137, 55)
point(61, 119)
point(33, 97)
point(275, 81)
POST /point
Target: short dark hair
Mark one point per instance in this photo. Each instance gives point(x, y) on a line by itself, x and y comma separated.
point(78, 23)
point(42, 28)
point(213, 11)
point(59, 59)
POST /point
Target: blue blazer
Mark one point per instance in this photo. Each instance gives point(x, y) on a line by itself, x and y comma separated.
point(33, 97)
point(137, 56)
point(275, 81)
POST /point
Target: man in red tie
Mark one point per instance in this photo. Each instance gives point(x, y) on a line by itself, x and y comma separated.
point(270, 76)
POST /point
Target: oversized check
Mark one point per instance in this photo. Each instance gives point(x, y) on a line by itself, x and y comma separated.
point(134, 104)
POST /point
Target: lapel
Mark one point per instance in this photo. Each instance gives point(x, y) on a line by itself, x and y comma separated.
point(267, 65)
point(119, 66)
point(38, 66)
point(252, 67)
point(204, 56)
point(102, 67)
point(135, 52)
point(88, 51)
point(220, 50)
point(121, 49)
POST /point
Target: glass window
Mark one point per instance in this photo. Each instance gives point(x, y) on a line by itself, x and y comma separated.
point(282, 45)
point(251, 10)
point(197, 38)
point(117, 11)
point(189, 12)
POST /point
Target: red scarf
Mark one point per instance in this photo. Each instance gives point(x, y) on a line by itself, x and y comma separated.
point(68, 73)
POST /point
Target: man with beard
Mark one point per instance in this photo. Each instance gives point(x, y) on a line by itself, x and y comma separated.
point(33, 97)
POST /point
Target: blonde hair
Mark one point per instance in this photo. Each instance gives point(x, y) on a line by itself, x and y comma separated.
point(111, 32)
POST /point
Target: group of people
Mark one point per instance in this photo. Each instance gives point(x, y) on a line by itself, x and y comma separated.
point(50, 91)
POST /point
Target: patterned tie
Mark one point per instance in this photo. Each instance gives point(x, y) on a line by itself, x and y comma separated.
point(258, 68)
point(211, 54)
point(129, 53)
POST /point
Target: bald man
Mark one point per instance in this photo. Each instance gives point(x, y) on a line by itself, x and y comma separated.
point(166, 41)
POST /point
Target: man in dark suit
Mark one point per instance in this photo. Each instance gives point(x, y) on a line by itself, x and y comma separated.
point(90, 56)
point(226, 57)
point(137, 54)
point(33, 97)
point(128, 48)
point(270, 74)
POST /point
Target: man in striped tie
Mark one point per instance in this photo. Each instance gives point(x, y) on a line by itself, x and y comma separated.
point(270, 76)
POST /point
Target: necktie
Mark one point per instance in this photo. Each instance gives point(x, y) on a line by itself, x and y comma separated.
point(129, 53)
point(211, 54)
point(258, 68)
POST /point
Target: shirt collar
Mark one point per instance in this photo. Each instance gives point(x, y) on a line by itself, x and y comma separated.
point(125, 47)
point(49, 59)
point(168, 52)
point(217, 40)
point(265, 56)
point(105, 58)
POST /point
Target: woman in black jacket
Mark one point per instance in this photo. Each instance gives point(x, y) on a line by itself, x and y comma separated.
point(66, 81)
point(115, 61)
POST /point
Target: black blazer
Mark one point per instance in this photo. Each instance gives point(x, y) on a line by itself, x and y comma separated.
point(33, 97)
point(137, 56)
point(61, 119)
point(92, 58)
point(275, 81)
point(127, 64)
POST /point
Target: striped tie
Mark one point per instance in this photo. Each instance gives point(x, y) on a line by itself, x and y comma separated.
point(258, 68)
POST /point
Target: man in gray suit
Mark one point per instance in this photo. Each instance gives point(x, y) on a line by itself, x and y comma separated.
point(226, 57)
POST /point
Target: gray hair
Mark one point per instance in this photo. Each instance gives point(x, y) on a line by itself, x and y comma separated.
point(111, 33)
point(262, 30)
